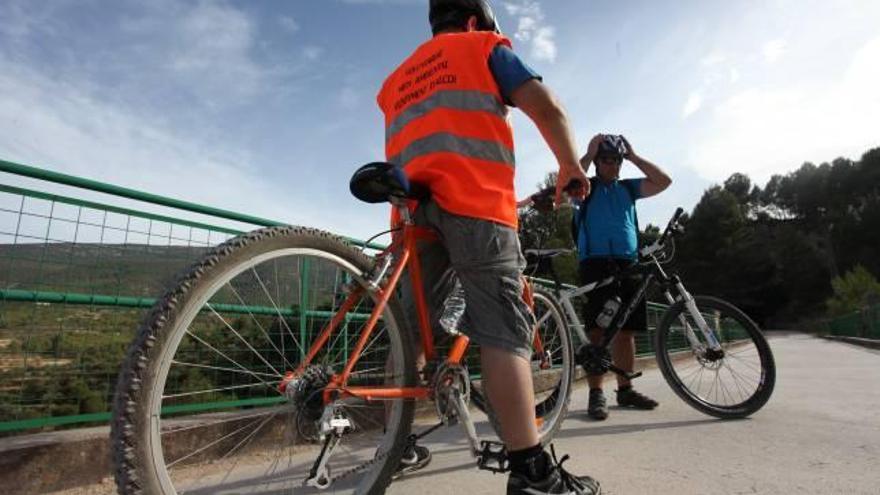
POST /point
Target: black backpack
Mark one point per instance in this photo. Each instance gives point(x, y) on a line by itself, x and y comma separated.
point(581, 214)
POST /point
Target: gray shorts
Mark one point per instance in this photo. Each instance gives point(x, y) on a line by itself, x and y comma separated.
point(486, 260)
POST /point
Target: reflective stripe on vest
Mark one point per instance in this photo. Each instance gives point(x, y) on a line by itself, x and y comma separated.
point(457, 99)
point(445, 142)
point(446, 125)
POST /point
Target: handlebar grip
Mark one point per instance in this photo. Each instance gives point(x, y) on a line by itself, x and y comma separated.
point(678, 213)
point(573, 184)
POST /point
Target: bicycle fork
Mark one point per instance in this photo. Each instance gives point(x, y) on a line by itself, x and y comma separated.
point(691, 307)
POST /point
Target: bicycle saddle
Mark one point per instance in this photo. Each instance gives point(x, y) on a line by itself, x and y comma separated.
point(378, 182)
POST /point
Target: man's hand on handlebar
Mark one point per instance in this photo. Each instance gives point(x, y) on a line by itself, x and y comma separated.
point(568, 177)
point(543, 200)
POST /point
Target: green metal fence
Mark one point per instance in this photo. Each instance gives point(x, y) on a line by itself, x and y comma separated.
point(864, 323)
point(76, 277)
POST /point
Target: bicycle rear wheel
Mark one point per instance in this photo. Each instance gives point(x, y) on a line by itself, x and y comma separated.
point(552, 363)
point(732, 384)
point(198, 408)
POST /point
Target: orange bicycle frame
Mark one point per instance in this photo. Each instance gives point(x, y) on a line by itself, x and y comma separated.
point(405, 247)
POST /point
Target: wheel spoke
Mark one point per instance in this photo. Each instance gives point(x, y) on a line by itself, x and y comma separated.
point(242, 339)
point(212, 364)
point(209, 346)
point(263, 330)
point(278, 311)
point(205, 447)
point(212, 390)
point(220, 368)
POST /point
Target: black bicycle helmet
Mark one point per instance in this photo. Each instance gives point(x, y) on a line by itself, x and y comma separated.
point(612, 145)
point(444, 14)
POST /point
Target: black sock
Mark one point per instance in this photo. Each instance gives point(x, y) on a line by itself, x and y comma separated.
point(624, 388)
point(596, 389)
point(532, 462)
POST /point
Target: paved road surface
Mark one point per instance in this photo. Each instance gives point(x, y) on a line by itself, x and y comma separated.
point(819, 434)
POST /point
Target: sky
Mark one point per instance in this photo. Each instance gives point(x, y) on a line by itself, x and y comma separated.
point(267, 107)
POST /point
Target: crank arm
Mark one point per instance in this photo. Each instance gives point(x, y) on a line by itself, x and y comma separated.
point(464, 415)
point(319, 476)
point(624, 373)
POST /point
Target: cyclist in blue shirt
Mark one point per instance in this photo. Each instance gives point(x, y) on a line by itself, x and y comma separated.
point(606, 231)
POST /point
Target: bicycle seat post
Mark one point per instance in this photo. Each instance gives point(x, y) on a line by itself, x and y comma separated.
point(402, 209)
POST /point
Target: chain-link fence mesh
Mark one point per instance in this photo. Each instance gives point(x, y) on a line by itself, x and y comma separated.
point(76, 280)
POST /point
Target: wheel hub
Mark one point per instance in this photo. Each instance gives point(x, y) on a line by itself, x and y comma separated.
point(304, 391)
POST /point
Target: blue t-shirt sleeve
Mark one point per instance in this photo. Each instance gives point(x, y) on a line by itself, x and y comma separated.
point(635, 185)
point(509, 71)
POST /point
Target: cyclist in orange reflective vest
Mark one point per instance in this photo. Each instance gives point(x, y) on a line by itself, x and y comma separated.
point(446, 124)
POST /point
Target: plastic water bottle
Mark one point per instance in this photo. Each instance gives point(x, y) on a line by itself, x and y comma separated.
point(453, 309)
point(608, 312)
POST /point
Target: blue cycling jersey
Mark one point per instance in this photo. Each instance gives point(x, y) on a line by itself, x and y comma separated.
point(610, 229)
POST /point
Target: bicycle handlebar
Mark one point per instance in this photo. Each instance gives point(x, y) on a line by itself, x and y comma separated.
point(671, 228)
point(543, 199)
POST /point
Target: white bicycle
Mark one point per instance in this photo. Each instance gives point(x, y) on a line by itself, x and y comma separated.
point(711, 353)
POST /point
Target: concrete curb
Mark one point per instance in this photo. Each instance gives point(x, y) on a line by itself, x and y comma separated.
point(869, 343)
point(45, 462)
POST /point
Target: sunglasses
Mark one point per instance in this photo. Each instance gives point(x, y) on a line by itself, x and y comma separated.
point(609, 160)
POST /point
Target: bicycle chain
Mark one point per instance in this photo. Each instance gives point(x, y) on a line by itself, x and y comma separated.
point(356, 469)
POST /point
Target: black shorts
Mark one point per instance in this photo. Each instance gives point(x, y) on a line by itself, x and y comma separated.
point(596, 269)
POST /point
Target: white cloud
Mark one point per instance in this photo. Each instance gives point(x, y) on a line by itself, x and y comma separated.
point(312, 52)
point(543, 46)
point(733, 75)
point(765, 131)
point(532, 30)
point(52, 123)
point(213, 49)
point(693, 103)
point(208, 50)
point(177, 99)
point(381, 2)
point(713, 58)
point(773, 50)
point(289, 24)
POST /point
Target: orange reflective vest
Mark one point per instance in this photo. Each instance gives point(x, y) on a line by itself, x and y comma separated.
point(446, 125)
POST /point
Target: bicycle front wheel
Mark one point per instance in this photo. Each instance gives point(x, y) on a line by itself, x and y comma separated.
point(552, 365)
point(732, 383)
point(198, 407)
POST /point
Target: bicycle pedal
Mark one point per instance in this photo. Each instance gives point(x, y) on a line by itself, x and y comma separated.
point(626, 374)
point(493, 457)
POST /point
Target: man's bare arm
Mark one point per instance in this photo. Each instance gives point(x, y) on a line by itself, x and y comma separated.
point(656, 180)
point(542, 107)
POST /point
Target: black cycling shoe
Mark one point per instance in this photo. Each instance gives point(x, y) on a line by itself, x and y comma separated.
point(414, 458)
point(630, 398)
point(558, 481)
point(597, 408)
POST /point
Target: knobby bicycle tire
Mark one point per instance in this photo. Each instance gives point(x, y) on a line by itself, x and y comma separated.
point(738, 384)
point(552, 401)
point(139, 463)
